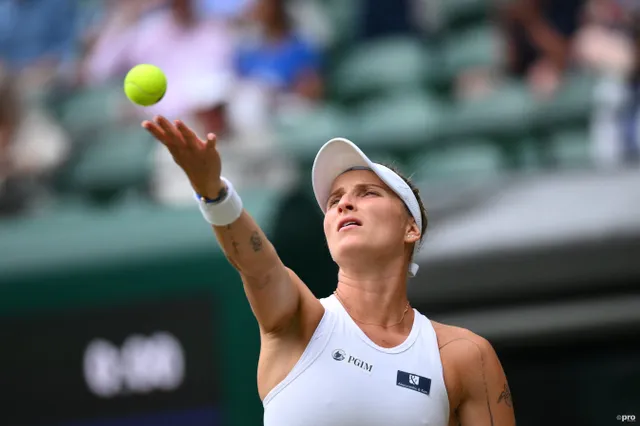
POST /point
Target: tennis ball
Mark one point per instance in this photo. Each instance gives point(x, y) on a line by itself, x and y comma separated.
point(145, 84)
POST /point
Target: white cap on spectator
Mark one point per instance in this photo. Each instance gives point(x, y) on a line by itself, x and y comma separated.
point(209, 91)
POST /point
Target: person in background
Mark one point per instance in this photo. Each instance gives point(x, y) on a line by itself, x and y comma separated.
point(38, 40)
point(277, 57)
point(608, 43)
point(225, 9)
point(536, 40)
point(248, 144)
point(174, 38)
point(539, 36)
point(32, 147)
point(631, 117)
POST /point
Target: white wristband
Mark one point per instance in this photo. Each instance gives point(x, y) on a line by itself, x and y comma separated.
point(224, 212)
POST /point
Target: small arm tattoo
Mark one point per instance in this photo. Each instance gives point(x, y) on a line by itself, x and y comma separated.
point(505, 396)
point(486, 390)
point(256, 241)
point(233, 241)
point(482, 368)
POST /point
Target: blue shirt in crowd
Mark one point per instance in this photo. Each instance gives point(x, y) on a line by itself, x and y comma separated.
point(277, 65)
point(34, 29)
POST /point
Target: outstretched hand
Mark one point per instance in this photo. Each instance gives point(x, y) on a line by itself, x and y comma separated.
point(198, 158)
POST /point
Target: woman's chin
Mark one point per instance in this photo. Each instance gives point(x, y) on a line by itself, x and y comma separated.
point(352, 246)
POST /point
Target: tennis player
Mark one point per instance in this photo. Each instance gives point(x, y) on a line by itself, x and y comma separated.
point(362, 356)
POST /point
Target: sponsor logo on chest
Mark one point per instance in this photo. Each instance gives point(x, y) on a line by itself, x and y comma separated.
point(342, 356)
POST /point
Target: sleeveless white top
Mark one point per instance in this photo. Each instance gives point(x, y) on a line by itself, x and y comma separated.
point(345, 379)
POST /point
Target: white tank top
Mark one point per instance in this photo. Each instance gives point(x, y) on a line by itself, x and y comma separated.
point(345, 379)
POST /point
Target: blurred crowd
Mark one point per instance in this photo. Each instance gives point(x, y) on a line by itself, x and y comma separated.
point(235, 66)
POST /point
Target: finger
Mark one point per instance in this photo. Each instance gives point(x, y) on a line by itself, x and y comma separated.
point(188, 136)
point(173, 136)
point(211, 141)
point(155, 130)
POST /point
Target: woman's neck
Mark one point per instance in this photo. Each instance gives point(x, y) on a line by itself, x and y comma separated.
point(380, 302)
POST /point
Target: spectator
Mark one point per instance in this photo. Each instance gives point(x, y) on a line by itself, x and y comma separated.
point(227, 9)
point(251, 159)
point(277, 56)
point(609, 43)
point(37, 39)
point(539, 37)
point(631, 118)
point(175, 39)
point(32, 146)
point(605, 43)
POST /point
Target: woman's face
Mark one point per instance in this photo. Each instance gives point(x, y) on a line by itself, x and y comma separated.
point(382, 224)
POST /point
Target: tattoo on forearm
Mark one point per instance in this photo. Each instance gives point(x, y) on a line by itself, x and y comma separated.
point(233, 241)
point(256, 241)
point(505, 396)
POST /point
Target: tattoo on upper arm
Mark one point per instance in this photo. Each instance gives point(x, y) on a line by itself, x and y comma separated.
point(486, 390)
point(457, 414)
point(484, 379)
point(505, 396)
point(256, 241)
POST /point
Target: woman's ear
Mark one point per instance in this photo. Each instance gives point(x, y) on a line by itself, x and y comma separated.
point(413, 233)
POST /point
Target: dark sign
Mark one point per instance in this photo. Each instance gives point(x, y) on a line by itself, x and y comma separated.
point(143, 364)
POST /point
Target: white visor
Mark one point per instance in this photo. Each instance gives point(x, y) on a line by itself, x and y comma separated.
point(340, 155)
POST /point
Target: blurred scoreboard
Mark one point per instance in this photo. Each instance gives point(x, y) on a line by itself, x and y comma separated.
point(138, 363)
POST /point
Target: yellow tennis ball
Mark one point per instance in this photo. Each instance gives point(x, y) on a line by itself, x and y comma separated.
point(145, 84)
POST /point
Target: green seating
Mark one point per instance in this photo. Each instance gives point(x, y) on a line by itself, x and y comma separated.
point(116, 160)
point(463, 159)
point(571, 104)
point(89, 109)
point(507, 112)
point(529, 155)
point(301, 135)
point(399, 123)
point(453, 12)
point(480, 46)
point(344, 17)
point(381, 66)
point(571, 147)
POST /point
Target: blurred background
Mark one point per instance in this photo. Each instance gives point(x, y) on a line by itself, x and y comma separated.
point(519, 120)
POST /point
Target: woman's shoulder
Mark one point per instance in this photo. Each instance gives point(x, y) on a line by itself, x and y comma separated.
point(449, 334)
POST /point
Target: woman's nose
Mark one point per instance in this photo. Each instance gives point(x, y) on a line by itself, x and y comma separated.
point(345, 204)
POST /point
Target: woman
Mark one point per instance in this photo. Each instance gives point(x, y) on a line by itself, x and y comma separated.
point(360, 356)
point(277, 56)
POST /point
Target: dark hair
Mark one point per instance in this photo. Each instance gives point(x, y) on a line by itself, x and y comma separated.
point(416, 192)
